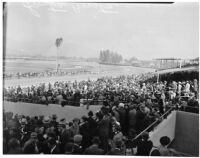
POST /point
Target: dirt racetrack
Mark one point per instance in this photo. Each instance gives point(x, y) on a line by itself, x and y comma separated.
point(67, 112)
point(99, 71)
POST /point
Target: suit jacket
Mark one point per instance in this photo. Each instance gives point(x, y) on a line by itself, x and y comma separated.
point(122, 114)
point(55, 150)
point(104, 126)
point(115, 151)
point(144, 148)
point(15, 151)
point(132, 117)
point(30, 147)
point(94, 150)
point(92, 126)
point(77, 149)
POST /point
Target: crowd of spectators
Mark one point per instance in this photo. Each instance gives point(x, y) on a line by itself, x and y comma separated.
point(91, 135)
point(72, 92)
point(19, 75)
point(129, 105)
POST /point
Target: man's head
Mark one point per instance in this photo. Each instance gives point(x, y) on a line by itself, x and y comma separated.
point(145, 135)
point(46, 120)
point(78, 139)
point(34, 136)
point(23, 122)
point(76, 121)
point(84, 118)
point(90, 113)
point(121, 105)
point(41, 130)
point(164, 140)
point(54, 117)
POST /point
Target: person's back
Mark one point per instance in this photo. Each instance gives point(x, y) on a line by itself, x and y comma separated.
point(69, 148)
point(14, 146)
point(53, 146)
point(29, 147)
point(15, 151)
point(77, 148)
point(115, 151)
point(144, 145)
point(122, 114)
point(116, 114)
point(117, 148)
point(144, 148)
point(132, 118)
point(94, 150)
point(154, 152)
point(104, 126)
point(85, 132)
point(84, 129)
point(66, 135)
point(92, 126)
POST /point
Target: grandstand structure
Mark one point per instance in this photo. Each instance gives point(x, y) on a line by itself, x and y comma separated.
point(170, 63)
point(166, 63)
point(181, 126)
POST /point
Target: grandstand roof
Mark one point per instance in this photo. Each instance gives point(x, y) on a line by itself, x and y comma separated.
point(196, 59)
point(178, 70)
point(168, 59)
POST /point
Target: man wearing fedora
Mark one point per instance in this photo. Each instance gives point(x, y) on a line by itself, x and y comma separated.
point(24, 131)
point(77, 148)
point(94, 148)
point(31, 146)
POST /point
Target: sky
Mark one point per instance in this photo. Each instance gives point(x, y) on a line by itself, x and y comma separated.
point(144, 31)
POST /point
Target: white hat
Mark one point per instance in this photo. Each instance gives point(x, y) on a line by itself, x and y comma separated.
point(117, 123)
point(121, 105)
point(23, 121)
point(114, 107)
point(46, 119)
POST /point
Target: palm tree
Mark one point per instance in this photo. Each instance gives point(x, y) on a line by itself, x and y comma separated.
point(58, 44)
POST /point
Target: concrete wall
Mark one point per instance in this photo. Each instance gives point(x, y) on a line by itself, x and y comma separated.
point(183, 130)
point(166, 128)
point(187, 133)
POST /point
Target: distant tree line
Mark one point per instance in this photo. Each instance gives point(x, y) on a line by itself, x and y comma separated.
point(107, 56)
point(131, 60)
